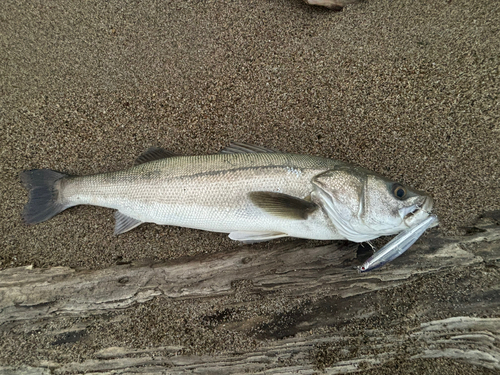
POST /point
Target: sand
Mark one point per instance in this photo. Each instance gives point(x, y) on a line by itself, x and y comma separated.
point(406, 88)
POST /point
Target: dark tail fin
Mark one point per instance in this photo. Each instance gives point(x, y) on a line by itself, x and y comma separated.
point(44, 199)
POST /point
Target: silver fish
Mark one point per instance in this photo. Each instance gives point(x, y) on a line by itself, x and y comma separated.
point(252, 193)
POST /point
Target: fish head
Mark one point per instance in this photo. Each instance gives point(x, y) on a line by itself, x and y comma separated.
point(363, 205)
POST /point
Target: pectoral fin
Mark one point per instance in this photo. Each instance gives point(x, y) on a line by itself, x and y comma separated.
point(124, 223)
point(282, 205)
point(253, 237)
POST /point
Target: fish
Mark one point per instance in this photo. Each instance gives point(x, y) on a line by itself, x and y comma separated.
point(398, 245)
point(251, 192)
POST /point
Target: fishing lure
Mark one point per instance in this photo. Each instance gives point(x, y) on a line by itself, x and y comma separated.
point(398, 245)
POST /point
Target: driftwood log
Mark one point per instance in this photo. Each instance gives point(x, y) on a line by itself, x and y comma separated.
point(295, 309)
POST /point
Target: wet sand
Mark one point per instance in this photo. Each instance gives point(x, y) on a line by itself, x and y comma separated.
point(408, 89)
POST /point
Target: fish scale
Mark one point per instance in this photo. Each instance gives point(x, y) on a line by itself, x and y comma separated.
point(206, 192)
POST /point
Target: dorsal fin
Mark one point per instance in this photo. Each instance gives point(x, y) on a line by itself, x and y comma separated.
point(245, 148)
point(153, 153)
point(282, 205)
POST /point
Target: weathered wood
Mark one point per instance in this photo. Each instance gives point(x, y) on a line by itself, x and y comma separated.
point(302, 339)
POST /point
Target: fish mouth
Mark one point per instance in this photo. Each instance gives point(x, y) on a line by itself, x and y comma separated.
point(414, 214)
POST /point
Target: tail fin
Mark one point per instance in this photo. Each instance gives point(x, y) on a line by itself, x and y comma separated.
point(44, 201)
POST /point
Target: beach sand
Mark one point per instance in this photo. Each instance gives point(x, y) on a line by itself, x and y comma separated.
point(409, 89)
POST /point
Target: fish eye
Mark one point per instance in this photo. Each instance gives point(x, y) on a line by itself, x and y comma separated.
point(399, 191)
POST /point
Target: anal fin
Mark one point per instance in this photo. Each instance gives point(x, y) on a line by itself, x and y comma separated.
point(124, 223)
point(253, 237)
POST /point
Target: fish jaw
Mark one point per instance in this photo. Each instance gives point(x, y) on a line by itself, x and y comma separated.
point(418, 212)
